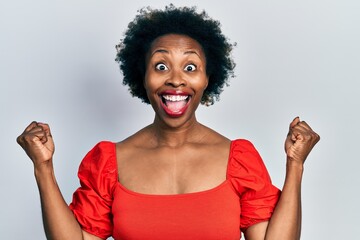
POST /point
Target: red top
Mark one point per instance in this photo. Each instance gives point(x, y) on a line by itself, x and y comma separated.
point(104, 207)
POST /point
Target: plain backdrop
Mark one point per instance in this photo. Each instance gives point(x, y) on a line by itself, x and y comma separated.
point(294, 58)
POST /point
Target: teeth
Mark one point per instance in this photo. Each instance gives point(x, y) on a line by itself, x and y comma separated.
point(175, 98)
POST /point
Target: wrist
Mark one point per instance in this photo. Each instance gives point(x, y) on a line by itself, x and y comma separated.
point(290, 163)
point(294, 169)
point(43, 169)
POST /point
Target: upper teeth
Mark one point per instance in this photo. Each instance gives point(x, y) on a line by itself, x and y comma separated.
point(175, 98)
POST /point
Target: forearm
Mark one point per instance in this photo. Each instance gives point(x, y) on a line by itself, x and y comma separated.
point(285, 222)
point(59, 221)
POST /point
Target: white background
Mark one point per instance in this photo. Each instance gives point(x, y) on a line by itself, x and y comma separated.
point(293, 58)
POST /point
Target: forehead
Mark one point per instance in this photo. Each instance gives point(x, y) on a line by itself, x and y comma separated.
point(176, 42)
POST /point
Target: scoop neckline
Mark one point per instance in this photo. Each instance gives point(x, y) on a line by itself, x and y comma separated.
point(178, 195)
point(216, 188)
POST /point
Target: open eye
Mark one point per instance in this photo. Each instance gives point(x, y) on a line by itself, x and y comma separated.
point(161, 67)
point(190, 68)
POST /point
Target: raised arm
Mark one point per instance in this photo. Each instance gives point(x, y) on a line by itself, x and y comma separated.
point(59, 221)
point(285, 223)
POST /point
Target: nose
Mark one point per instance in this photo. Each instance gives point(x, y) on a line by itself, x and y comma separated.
point(176, 79)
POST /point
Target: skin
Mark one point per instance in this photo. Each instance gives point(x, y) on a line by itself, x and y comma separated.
point(182, 155)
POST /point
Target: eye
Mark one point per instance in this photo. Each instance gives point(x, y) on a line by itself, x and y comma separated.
point(190, 67)
point(161, 67)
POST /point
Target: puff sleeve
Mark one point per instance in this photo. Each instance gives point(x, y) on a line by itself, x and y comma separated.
point(92, 201)
point(250, 179)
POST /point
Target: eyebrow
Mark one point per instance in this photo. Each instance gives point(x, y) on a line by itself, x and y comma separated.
point(166, 51)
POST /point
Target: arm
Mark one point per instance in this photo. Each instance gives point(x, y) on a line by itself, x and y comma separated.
point(59, 221)
point(285, 222)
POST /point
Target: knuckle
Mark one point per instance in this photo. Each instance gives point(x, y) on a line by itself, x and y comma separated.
point(19, 139)
point(29, 138)
point(307, 137)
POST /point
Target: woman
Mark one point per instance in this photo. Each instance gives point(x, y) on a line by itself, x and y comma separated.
point(176, 178)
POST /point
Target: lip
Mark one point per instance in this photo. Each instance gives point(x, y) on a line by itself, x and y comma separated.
point(177, 93)
point(174, 92)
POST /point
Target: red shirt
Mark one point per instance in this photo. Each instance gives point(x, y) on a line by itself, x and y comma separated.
point(104, 207)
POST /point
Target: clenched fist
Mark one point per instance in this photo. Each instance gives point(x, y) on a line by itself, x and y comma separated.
point(299, 141)
point(38, 143)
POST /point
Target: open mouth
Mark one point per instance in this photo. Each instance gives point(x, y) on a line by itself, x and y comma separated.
point(175, 105)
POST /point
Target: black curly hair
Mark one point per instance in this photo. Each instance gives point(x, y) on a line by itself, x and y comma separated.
point(149, 24)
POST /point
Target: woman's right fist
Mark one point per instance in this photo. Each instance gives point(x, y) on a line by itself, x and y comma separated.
point(38, 143)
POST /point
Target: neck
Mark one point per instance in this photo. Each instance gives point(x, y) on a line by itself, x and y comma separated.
point(175, 136)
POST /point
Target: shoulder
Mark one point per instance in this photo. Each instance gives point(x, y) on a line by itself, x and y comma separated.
point(245, 161)
point(134, 146)
point(244, 153)
point(242, 145)
point(214, 138)
point(103, 146)
point(141, 138)
point(101, 150)
point(99, 161)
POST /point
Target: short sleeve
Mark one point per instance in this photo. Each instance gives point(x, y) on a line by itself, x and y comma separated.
point(92, 201)
point(250, 178)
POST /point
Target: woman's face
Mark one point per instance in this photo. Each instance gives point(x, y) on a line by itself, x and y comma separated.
point(175, 77)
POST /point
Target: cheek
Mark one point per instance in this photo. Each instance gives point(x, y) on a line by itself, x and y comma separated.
point(148, 82)
point(203, 83)
point(151, 84)
point(148, 78)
